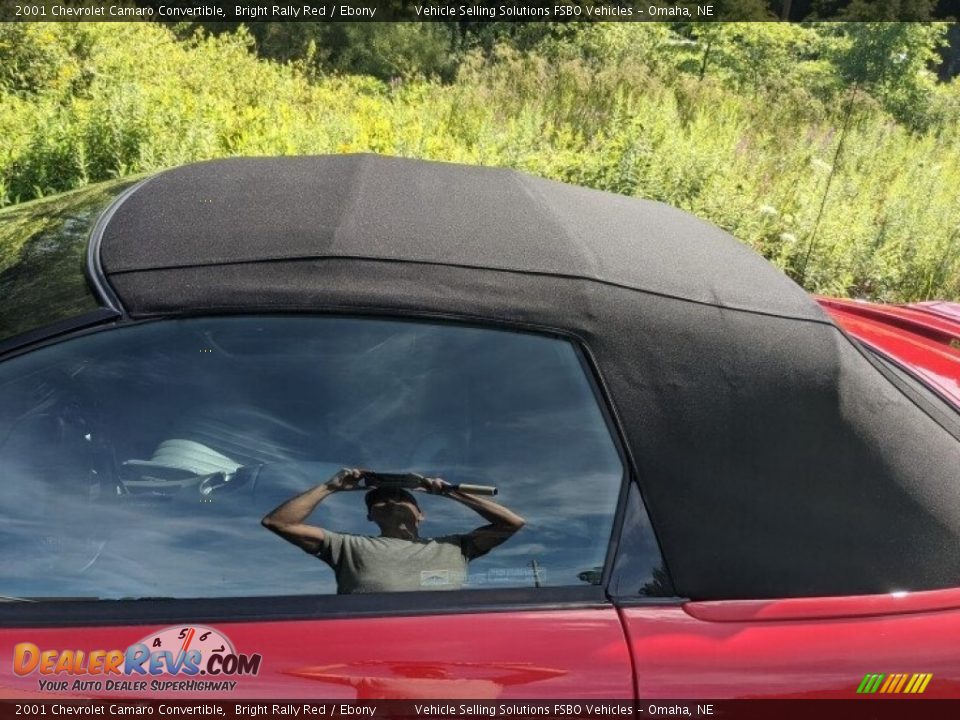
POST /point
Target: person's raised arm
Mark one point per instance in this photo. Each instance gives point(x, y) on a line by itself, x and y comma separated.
point(287, 520)
point(503, 523)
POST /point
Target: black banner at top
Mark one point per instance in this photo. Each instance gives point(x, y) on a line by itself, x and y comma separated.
point(476, 10)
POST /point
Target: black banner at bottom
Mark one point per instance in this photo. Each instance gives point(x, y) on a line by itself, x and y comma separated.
point(866, 708)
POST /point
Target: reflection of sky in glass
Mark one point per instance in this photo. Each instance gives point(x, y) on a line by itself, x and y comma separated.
point(307, 396)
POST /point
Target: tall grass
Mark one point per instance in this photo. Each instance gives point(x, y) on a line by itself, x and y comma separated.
point(880, 219)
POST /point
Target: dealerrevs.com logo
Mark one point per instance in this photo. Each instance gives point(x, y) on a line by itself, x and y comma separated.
point(186, 658)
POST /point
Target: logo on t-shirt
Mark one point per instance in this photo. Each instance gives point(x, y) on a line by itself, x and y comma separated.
point(434, 578)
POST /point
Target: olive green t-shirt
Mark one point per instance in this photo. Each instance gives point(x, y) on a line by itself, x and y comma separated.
point(365, 564)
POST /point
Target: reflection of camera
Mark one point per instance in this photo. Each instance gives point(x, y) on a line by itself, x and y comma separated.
point(412, 481)
point(399, 480)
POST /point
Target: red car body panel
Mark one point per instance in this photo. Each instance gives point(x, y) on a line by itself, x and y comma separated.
point(948, 310)
point(925, 338)
point(832, 608)
point(679, 655)
point(509, 655)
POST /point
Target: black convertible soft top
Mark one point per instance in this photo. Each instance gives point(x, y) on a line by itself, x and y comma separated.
point(774, 457)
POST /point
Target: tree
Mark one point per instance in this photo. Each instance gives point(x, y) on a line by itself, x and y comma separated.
point(892, 62)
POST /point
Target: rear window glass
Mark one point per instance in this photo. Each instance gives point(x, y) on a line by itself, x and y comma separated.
point(43, 247)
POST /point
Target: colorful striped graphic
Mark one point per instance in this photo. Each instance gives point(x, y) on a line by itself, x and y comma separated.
point(902, 683)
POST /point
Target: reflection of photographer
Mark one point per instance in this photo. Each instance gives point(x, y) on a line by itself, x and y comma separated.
point(399, 559)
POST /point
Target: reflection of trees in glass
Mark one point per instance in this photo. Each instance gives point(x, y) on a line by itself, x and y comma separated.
point(659, 586)
point(43, 255)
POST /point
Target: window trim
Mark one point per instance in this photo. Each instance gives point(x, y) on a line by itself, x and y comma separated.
point(55, 332)
point(89, 613)
point(68, 613)
point(96, 276)
point(631, 476)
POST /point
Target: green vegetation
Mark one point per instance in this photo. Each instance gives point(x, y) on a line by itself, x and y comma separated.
point(830, 149)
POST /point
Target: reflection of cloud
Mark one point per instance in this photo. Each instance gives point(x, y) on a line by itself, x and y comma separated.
point(180, 547)
point(591, 492)
point(161, 550)
point(530, 549)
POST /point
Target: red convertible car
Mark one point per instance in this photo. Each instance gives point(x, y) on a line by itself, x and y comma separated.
point(709, 485)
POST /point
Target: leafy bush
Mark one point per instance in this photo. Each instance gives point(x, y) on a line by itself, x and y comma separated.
point(42, 57)
point(775, 133)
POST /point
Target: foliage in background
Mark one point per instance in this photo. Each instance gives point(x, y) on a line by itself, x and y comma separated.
point(830, 149)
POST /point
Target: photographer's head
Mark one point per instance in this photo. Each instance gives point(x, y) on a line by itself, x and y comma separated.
point(395, 511)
